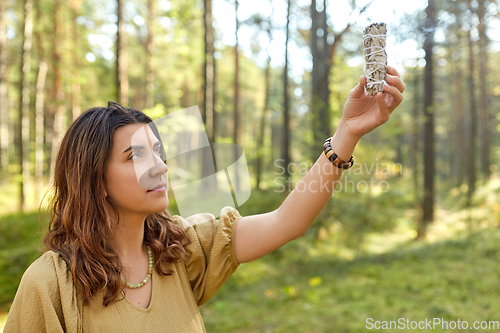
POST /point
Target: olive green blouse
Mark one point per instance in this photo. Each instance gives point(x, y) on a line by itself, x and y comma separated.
point(47, 300)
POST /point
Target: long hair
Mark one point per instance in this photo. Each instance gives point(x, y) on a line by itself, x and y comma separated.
point(80, 227)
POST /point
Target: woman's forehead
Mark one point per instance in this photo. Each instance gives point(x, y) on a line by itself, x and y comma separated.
point(134, 134)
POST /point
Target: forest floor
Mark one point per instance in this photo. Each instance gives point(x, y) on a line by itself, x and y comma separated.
point(453, 274)
point(449, 279)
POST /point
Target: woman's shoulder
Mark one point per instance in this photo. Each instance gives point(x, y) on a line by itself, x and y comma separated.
point(194, 219)
point(46, 297)
point(47, 262)
point(47, 270)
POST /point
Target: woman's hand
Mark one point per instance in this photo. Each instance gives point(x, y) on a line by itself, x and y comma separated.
point(363, 113)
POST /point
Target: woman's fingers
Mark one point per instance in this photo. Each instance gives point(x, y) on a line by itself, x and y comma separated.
point(384, 110)
point(393, 78)
point(395, 81)
point(362, 81)
point(359, 90)
point(394, 87)
point(396, 94)
point(392, 71)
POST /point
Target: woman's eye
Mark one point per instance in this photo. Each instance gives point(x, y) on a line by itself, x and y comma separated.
point(131, 156)
point(157, 151)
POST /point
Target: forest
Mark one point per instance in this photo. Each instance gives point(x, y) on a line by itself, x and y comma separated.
point(412, 229)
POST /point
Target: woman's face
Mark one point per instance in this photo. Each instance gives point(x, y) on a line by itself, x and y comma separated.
point(134, 168)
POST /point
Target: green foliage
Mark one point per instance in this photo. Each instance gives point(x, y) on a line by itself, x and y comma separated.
point(19, 247)
point(156, 111)
point(7, 194)
point(327, 293)
point(262, 201)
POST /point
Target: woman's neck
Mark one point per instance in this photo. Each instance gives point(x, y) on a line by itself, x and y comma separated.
point(128, 240)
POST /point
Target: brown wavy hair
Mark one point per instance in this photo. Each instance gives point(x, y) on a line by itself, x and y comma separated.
point(80, 227)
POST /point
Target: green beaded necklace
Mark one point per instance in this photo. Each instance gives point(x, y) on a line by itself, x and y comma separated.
point(150, 271)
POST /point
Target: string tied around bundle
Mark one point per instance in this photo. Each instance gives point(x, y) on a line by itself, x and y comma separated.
point(375, 57)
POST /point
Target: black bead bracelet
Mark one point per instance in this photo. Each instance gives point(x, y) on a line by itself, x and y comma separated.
point(333, 157)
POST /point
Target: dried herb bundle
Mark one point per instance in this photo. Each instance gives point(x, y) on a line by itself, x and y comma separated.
point(375, 57)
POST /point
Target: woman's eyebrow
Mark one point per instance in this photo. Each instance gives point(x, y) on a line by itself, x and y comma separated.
point(157, 143)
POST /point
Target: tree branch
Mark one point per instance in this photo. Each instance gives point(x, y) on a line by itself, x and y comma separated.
point(338, 37)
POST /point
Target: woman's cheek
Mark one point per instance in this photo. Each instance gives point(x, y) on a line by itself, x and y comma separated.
point(133, 174)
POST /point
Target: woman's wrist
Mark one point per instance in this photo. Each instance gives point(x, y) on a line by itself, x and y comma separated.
point(343, 143)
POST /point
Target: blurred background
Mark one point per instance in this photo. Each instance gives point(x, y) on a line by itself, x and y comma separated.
point(412, 230)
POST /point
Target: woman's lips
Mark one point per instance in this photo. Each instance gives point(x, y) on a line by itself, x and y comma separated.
point(159, 189)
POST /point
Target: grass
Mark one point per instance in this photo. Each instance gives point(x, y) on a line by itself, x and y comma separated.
point(19, 246)
point(321, 283)
point(450, 279)
point(19, 243)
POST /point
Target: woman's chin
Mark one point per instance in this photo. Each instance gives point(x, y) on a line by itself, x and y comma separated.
point(163, 207)
point(156, 202)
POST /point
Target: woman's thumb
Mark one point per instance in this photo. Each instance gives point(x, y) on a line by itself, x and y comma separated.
point(359, 90)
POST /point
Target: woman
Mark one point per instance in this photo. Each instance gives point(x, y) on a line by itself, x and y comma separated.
point(117, 261)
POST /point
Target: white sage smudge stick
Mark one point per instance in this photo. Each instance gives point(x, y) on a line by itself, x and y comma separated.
point(375, 57)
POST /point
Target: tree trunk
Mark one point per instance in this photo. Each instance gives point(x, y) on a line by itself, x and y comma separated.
point(209, 85)
point(39, 107)
point(149, 55)
point(185, 94)
point(471, 170)
point(4, 128)
point(214, 95)
point(286, 102)
point(400, 142)
point(237, 111)
point(24, 104)
point(208, 91)
point(483, 89)
point(323, 54)
point(57, 93)
point(261, 133)
point(261, 130)
point(75, 86)
point(121, 57)
point(39, 116)
point(274, 140)
point(414, 146)
point(429, 155)
point(320, 111)
point(459, 156)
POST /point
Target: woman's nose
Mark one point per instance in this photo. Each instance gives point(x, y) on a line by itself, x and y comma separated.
point(159, 166)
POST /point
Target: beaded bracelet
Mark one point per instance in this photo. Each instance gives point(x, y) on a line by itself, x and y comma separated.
point(332, 156)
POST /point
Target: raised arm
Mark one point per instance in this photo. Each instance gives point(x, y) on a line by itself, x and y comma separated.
point(258, 235)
